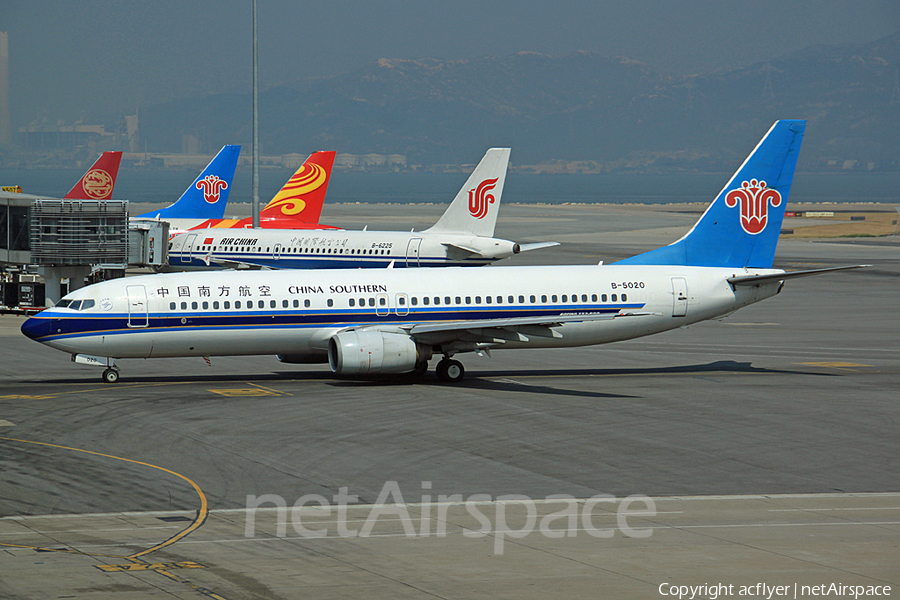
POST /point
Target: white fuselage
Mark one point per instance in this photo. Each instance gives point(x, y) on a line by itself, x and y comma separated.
point(287, 312)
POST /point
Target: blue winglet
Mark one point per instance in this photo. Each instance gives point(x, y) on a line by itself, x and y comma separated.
point(741, 227)
point(207, 196)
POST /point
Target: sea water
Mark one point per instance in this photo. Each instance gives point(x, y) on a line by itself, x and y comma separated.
point(166, 185)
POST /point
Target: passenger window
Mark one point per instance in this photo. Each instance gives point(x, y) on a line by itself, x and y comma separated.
point(382, 301)
point(446, 299)
point(437, 300)
point(193, 306)
point(272, 303)
point(352, 302)
point(330, 302)
point(306, 303)
point(553, 297)
point(544, 298)
point(499, 299)
point(458, 300)
point(584, 297)
point(603, 298)
point(521, 299)
point(565, 298)
point(593, 297)
point(613, 297)
point(468, 299)
point(216, 305)
point(205, 305)
point(296, 303)
point(171, 306)
point(237, 303)
point(477, 299)
point(532, 299)
point(426, 300)
point(488, 299)
point(226, 304)
point(371, 301)
point(260, 304)
point(284, 304)
point(624, 298)
point(415, 301)
point(401, 300)
point(184, 306)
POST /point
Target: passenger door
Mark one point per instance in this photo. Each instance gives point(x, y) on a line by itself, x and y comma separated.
point(138, 311)
point(188, 249)
point(412, 252)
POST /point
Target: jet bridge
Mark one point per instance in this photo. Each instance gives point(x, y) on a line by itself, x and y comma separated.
point(69, 237)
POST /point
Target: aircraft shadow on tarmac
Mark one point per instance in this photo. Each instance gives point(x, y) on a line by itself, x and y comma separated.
point(505, 380)
point(488, 380)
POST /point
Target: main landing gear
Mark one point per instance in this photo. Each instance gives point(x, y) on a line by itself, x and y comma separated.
point(450, 370)
point(111, 375)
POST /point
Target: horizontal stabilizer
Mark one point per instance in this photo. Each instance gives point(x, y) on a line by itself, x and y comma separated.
point(468, 249)
point(536, 246)
point(757, 279)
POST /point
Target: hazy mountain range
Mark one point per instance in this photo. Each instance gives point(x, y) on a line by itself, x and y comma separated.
point(582, 106)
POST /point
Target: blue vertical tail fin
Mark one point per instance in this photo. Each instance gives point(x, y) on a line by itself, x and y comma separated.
point(207, 196)
point(741, 227)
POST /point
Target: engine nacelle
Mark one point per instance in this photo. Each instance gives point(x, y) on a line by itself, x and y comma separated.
point(360, 352)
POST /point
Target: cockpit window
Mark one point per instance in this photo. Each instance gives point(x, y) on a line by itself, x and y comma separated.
point(86, 304)
point(76, 305)
point(63, 303)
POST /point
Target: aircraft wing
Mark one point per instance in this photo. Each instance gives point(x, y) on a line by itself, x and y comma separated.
point(511, 329)
point(757, 279)
point(519, 247)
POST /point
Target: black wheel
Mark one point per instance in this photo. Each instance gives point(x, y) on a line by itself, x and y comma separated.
point(110, 376)
point(450, 371)
point(421, 368)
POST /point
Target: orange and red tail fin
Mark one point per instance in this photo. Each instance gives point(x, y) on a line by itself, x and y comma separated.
point(300, 200)
point(99, 181)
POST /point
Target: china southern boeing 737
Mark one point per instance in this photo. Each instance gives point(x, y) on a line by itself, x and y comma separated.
point(395, 320)
point(461, 237)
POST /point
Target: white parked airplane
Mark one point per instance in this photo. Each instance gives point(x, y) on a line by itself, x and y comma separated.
point(461, 237)
point(395, 320)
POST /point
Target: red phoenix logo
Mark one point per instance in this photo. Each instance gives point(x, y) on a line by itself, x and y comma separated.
point(211, 186)
point(479, 199)
point(754, 198)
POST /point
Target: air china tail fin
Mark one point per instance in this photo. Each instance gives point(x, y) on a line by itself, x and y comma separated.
point(99, 181)
point(475, 208)
point(741, 227)
point(300, 200)
point(207, 196)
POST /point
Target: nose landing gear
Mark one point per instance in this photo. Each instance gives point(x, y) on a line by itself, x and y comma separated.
point(111, 375)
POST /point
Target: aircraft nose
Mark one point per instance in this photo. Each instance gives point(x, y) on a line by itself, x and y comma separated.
point(37, 327)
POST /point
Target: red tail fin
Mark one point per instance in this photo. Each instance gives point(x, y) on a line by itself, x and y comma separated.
point(300, 200)
point(100, 179)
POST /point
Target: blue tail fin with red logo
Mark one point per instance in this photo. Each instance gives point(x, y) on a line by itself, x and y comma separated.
point(474, 209)
point(207, 196)
point(741, 227)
